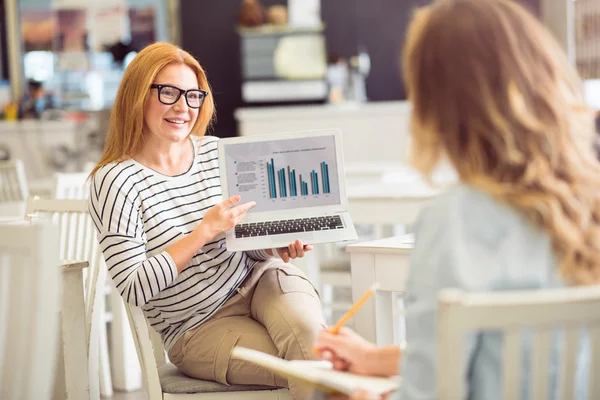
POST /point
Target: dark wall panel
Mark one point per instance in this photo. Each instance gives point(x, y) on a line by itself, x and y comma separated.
point(341, 33)
point(207, 32)
point(381, 28)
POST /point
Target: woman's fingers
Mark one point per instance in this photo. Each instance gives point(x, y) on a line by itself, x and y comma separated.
point(299, 248)
point(292, 250)
point(230, 202)
point(242, 209)
point(238, 213)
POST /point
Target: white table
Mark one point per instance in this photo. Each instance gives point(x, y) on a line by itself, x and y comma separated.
point(385, 261)
point(73, 380)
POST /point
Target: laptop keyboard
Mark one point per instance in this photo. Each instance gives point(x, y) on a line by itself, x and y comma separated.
point(288, 226)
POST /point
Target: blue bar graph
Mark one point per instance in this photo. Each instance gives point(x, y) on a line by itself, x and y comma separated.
point(292, 182)
point(271, 175)
point(324, 177)
point(285, 184)
point(328, 188)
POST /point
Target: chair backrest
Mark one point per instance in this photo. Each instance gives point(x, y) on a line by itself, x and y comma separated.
point(150, 350)
point(77, 242)
point(542, 311)
point(29, 310)
point(13, 183)
point(71, 186)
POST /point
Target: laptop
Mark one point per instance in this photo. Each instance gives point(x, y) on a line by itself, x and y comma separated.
point(297, 181)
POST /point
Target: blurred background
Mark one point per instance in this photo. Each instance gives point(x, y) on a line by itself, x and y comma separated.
point(273, 65)
point(62, 60)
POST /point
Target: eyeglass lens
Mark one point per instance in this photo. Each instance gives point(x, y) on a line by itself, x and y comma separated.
point(169, 95)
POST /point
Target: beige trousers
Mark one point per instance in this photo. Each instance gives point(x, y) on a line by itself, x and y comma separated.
point(276, 311)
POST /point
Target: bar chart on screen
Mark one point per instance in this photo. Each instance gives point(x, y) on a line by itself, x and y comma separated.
point(284, 174)
point(284, 182)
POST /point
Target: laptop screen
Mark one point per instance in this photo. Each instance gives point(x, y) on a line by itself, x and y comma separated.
point(284, 174)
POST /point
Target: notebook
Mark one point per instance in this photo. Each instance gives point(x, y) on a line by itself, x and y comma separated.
point(297, 181)
point(316, 375)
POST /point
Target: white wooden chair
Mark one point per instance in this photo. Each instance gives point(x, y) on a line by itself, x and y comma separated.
point(13, 182)
point(30, 283)
point(77, 242)
point(14, 190)
point(76, 185)
point(163, 381)
point(543, 311)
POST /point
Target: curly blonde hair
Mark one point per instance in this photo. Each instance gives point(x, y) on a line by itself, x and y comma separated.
point(493, 93)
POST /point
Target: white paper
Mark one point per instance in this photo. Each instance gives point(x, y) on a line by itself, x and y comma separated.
point(342, 382)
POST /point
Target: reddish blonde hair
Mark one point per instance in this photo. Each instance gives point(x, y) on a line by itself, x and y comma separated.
point(125, 132)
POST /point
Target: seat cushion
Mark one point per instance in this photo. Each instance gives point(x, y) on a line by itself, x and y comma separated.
point(174, 381)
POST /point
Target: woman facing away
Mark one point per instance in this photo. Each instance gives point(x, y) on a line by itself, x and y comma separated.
point(156, 203)
point(493, 94)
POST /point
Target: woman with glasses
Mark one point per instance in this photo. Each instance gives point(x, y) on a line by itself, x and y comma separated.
point(156, 203)
point(493, 94)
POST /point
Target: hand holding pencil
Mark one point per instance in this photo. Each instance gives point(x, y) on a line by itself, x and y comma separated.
point(347, 350)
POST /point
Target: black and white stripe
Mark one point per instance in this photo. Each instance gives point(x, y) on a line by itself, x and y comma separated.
point(138, 213)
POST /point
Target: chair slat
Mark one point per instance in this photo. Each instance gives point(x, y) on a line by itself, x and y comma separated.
point(511, 370)
point(79, 239)
point(62, 232)
point(3, 187)
point(568, 362)
point(68, 244)
point(13, 187)
point(13, 183)
point(540, 360)
point(594, 382)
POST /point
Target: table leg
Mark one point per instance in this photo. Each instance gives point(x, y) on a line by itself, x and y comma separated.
point(384, 321)
point(74, 337)
point(363, 276)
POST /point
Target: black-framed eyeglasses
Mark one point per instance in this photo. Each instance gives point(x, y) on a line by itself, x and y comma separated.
point(168, 94)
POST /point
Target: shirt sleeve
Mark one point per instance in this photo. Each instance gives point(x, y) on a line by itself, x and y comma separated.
point(138, 278)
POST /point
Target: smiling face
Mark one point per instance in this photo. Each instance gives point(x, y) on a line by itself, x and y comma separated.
point(171, 123)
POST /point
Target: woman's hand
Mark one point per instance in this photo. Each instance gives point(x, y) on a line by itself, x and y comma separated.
point(223, 217)
point(294, 250)
point(346, 350)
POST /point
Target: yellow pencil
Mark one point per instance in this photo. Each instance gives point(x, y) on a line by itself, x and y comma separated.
point(354, 308)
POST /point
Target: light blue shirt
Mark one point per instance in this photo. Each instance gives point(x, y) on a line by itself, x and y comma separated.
point(467, 239)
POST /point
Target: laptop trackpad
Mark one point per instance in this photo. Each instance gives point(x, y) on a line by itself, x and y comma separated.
point(306, 238)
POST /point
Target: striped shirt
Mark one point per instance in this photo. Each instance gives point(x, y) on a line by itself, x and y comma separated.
point(138, 213)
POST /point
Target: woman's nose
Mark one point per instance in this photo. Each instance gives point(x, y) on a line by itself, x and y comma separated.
point(181, 104)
